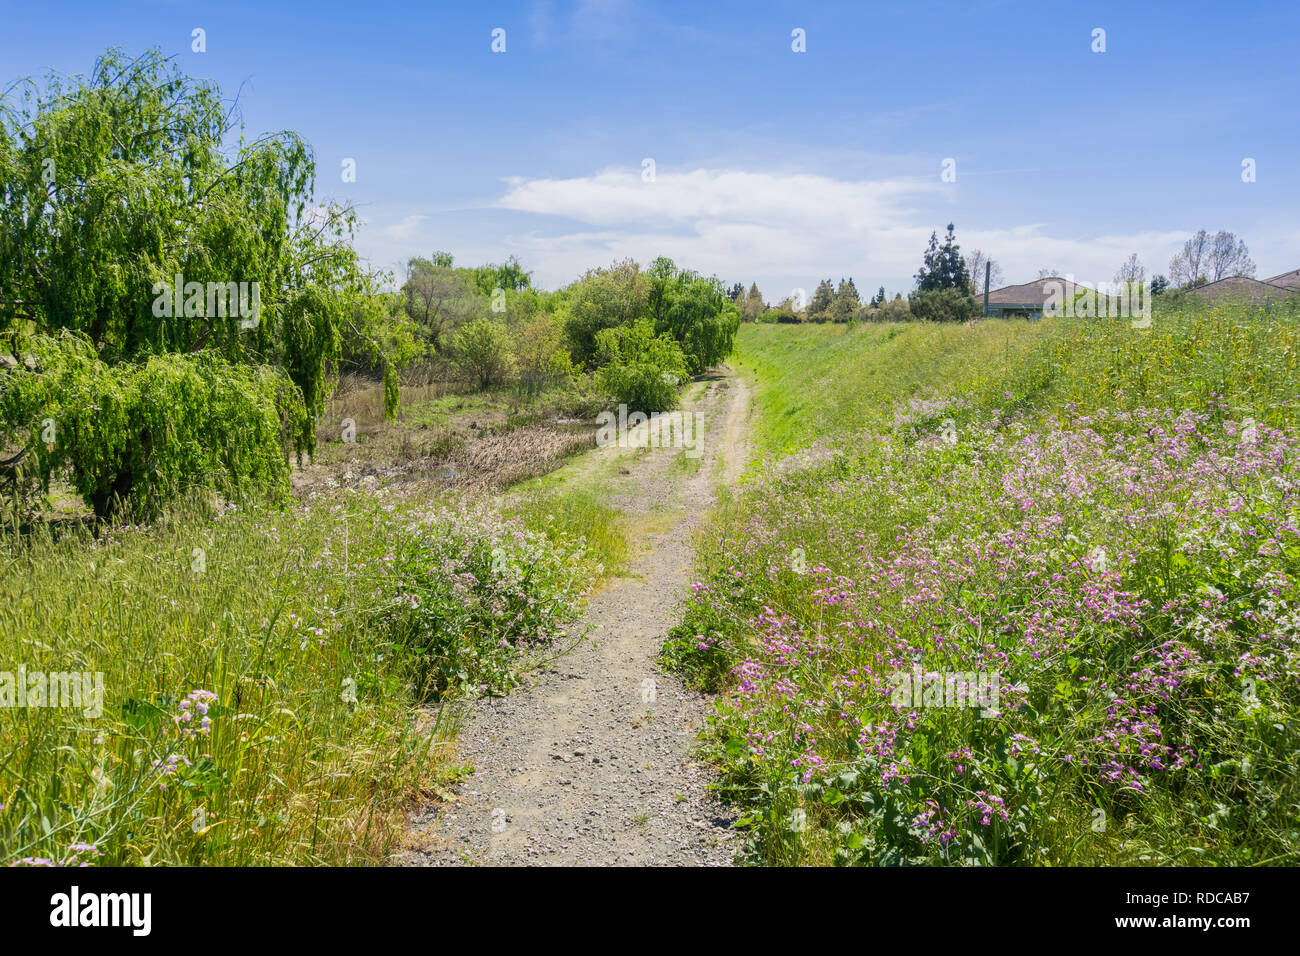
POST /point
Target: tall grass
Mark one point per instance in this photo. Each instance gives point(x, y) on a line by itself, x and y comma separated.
point(580, 512)
point(317, 642)
point(822, 382)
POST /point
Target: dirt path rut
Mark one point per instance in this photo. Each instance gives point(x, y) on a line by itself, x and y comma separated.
point(590, 761)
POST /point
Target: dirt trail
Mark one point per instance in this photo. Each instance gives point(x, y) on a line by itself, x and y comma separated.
point(590, 761)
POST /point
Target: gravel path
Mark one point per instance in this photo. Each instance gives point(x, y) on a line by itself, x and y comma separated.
point(590, 761)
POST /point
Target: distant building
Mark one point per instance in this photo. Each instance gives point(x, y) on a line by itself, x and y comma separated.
point(1245, 289)
point(1026, 301)
point(1287, 280)
point(1029, 300)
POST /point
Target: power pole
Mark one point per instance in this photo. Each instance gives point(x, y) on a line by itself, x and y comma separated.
point(988, 269)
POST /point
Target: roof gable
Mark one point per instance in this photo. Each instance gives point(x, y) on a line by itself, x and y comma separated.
point(1287, 280)
point(1037, 292)
point(1243, 287)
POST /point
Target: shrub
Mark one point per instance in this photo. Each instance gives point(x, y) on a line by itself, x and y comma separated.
point(943, 305)
point(895, 310)
point(478, 588)
point(481, 349)
point(603, 299)
point(541, 358)
point(640, 369)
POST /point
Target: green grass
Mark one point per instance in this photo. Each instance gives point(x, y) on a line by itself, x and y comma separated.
point(826, 382)
point(582, 513)
point(329, 633)
point(439, 412)
point(821, 381)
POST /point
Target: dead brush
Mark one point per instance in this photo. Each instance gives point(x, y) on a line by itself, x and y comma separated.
point(446, 445)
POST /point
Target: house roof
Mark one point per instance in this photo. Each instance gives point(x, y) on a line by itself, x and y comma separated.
point(1287, 280)
point(1242, 287)
point(1035, 293)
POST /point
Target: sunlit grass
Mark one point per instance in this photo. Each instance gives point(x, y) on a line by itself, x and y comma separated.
point(823, 382)
point(582, 513)
point(323, 732)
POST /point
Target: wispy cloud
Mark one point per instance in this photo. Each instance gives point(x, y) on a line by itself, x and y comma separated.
point(736, 223)
point(407, 229)
point(704, 195)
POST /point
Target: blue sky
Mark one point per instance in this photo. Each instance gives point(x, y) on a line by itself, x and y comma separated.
point(770, 165)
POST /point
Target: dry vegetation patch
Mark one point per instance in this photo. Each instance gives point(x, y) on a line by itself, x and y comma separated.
point(481, 442)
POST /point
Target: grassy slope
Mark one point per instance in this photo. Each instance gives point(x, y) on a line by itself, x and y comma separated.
point(1035, 408)
point(822, 381)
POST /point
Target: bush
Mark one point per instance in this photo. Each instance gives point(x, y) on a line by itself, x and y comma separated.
point(541, 357)
point(481, 349)
point(943, 305)
point(468, 637)
point(603, 299)
point(895, 310)
point(640, 369)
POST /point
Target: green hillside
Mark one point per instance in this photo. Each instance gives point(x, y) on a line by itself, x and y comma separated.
point(1034, 600)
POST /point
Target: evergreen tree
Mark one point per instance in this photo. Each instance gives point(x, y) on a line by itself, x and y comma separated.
point(928, 277)
point(942, 266)
point(943, 286)
point(956, 275)
point(822, 299)
point(751, 304)
point(846, 303)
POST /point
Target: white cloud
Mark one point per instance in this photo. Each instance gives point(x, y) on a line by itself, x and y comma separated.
point(736, 223)
point(405, 230)
point(702, 195)
point(781, 229)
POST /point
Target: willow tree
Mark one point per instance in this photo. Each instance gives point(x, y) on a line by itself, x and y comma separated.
point(695, 311)
point(129, 198)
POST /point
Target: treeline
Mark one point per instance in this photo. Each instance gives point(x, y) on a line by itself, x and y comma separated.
point(620, 333)
point(948, 284)
point(945, 292)
point(829, 302)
